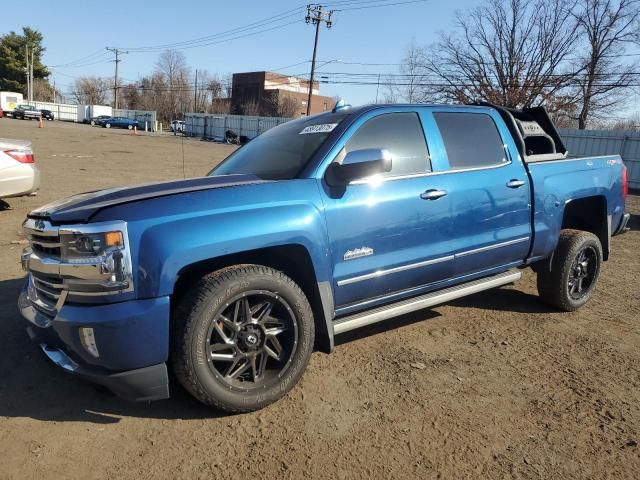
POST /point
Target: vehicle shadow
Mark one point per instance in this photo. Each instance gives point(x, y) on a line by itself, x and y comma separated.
point(32, 387)
point(506, 300)
point(385, 326)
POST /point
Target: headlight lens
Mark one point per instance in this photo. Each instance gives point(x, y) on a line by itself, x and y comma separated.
point(82, 245)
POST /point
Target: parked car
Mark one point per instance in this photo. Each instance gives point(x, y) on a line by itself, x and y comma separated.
point(26, 112)
point(98, 120)
point(177, 126)
point(47, 114)
point(18, 172)
point(318, 226)
point(119, 122)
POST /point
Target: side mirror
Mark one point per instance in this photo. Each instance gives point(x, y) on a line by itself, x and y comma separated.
point(359, 164)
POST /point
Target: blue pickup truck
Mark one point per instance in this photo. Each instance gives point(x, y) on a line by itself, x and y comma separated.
point(319, 226)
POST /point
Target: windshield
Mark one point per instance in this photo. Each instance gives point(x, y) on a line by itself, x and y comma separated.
point(283, 151)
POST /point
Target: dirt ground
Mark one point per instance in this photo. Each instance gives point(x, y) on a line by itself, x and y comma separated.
point(496, 385)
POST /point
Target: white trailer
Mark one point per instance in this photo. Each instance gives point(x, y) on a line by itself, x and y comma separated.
point(9, 101)
point(87, 112)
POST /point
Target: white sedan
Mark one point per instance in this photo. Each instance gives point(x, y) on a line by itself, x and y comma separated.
point(18, 172)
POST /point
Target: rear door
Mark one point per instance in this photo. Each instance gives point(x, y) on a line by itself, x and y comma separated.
point(487, 187)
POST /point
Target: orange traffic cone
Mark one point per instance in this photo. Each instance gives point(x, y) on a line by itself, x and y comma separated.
point(40, 123)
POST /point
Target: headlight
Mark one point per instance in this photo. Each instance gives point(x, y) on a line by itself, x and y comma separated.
point(82, 245)
point(99, 258)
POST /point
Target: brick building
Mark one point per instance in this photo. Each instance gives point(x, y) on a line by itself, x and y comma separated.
point(274, 94)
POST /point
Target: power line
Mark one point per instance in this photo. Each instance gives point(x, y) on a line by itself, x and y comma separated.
point(211, 39)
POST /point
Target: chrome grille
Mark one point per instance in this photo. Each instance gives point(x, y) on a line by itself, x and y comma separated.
point(45, 290)
point(49, 245)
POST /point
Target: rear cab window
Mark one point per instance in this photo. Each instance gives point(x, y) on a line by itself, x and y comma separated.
point(471, 140)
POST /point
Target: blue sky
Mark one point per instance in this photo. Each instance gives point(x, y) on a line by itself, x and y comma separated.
point(76, 29)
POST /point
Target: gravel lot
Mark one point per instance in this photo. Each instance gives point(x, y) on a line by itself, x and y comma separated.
point(496, 385)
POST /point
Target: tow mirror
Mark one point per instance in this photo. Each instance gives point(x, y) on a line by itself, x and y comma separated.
point(359, 164)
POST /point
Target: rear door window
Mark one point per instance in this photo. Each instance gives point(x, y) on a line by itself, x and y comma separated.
point(471, 140)
point(401, 134)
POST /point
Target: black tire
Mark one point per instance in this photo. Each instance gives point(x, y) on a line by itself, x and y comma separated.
point(195, 324)
point(570, 283)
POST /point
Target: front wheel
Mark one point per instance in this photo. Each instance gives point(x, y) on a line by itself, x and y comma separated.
point(242, 337)
point(107, 125)
point(574, 272)
point(130, 127)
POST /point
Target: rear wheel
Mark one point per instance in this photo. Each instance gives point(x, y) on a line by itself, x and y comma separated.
point(574, 272)
point(242, 337)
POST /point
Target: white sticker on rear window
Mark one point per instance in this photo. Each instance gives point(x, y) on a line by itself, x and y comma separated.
point(322, 128)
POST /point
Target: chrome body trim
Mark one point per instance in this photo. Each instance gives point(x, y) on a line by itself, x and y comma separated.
point(406, 306)
point(378, 179)
point(380, 273)
point(491, 247)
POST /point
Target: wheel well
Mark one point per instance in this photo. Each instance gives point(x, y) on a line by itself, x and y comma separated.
point(590, 215)
point(293, 260)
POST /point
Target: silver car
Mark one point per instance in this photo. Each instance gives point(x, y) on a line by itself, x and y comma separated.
point(18, 172)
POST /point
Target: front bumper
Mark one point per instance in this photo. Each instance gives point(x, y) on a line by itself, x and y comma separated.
point(132, 340)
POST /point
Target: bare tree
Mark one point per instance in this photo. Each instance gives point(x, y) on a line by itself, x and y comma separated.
point(91, 90)
point(172, 84)
point(607, 27)
point(279, 104)
point(407, 86)
point(510, 52)
point(287, 106)
point(250, 108)
point(43, 91)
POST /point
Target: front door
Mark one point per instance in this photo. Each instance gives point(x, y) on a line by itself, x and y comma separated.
point(385, 236)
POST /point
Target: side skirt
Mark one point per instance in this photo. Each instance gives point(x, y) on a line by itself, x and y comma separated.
point(379, 314)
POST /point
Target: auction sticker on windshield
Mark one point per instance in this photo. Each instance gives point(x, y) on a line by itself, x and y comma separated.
point(321, 128)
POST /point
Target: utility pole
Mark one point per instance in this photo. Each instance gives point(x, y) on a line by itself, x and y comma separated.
point(117, 52)
point(315, 15)
point(31, 76)
point(195, 94)
point(26, 56)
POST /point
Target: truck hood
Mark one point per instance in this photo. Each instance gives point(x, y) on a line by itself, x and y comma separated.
point(80, 208)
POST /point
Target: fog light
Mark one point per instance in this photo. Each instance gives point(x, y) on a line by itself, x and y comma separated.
point(88, 340)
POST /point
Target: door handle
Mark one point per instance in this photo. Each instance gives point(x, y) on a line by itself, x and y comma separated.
point(515, 183)
point(433, 194)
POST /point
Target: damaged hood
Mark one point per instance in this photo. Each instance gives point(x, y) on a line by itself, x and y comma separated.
point(81, 207)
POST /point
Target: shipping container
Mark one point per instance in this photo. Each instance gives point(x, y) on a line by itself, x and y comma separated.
point(9, 101)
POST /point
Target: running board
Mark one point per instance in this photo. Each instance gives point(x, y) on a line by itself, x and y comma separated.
point(428, 300)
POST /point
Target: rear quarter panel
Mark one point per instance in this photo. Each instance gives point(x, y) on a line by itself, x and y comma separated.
point(556, 183)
